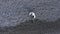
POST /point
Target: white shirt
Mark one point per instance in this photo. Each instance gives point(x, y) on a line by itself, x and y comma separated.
point(32, 14)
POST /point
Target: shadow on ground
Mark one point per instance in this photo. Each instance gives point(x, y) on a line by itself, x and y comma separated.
point(34, 27)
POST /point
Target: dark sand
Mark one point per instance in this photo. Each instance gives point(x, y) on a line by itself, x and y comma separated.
point(36, 27)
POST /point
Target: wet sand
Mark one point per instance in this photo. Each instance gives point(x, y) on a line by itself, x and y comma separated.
point(37, 27)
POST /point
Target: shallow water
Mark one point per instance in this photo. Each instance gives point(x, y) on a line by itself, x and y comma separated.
point(14, 13)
